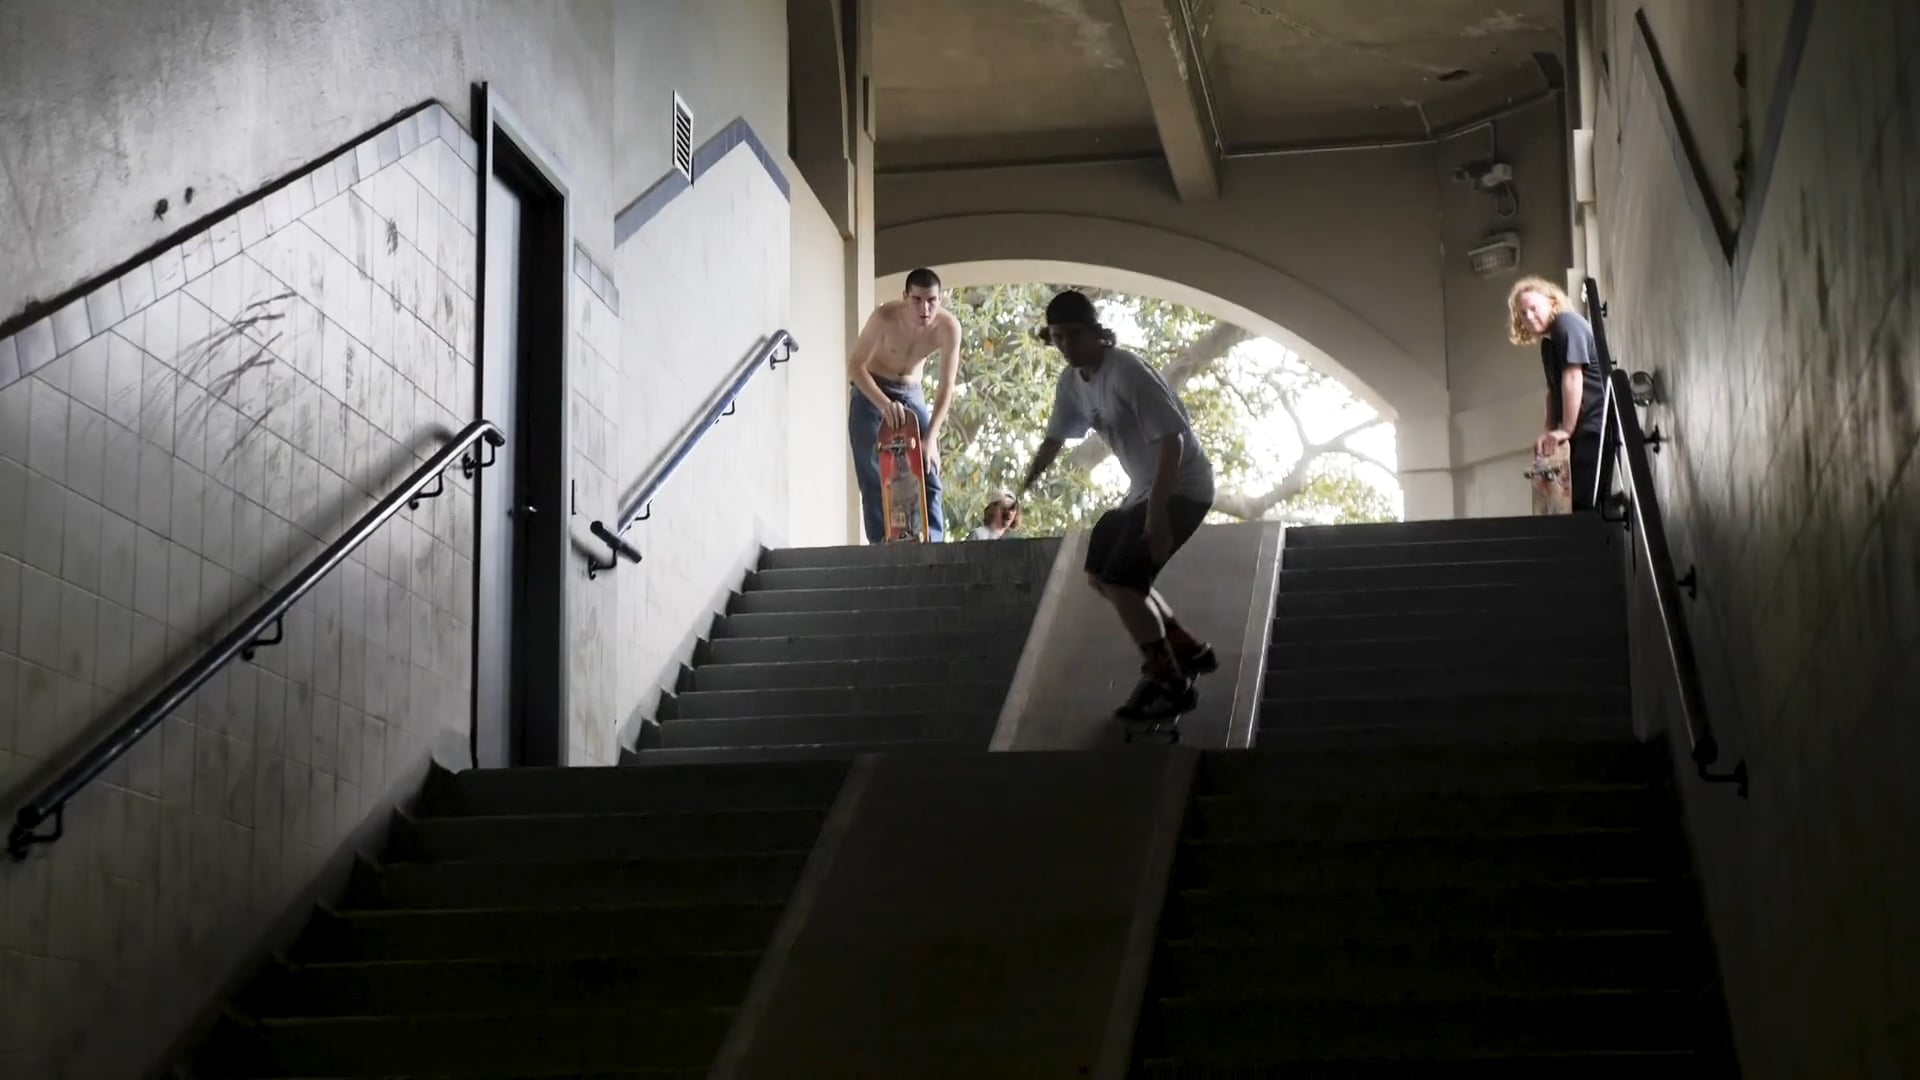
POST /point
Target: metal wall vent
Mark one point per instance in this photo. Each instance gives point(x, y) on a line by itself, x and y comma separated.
point(682, 138)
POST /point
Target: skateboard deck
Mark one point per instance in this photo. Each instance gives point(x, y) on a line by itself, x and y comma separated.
point(1552, 478)
point(1166, 727)
point(903, 485)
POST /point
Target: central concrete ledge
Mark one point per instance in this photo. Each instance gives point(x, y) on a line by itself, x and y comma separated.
point(983, 915)
point(1078, 663)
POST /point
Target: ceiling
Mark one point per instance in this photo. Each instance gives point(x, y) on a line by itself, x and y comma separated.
point(986, 81)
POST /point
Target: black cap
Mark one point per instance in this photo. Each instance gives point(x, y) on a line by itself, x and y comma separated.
point(1071, 308)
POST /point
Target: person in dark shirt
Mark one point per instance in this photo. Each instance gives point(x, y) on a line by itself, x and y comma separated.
point(1540, 314)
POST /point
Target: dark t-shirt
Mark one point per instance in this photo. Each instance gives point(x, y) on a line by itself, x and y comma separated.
point(1568, 342)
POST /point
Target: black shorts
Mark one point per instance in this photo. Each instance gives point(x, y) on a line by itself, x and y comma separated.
point(1117, 551)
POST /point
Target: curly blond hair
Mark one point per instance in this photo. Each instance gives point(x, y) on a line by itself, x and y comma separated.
point(1517, 331)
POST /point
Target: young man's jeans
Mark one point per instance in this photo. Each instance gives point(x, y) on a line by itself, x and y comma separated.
point(863, 433)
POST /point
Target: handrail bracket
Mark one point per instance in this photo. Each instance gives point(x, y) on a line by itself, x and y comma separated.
point(21, 838)
point(266, 641)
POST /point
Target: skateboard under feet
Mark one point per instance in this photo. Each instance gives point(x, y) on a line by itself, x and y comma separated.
point(1167, 727)
point(903, 485)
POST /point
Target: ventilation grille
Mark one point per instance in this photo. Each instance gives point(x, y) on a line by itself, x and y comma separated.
point(682, 138)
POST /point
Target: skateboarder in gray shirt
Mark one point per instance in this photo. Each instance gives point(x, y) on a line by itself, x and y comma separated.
point(1170, 489)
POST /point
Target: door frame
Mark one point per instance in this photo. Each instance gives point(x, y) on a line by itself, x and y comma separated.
point(541, 689)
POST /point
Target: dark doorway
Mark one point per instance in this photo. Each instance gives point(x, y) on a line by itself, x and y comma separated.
point(519, 677)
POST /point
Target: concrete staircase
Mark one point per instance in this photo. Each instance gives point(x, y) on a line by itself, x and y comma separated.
point(540, 922)
point(1429, 630)
point(1448, 857)
point(832, 652)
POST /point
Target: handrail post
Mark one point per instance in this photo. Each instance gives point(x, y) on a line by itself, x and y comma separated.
point(1644, 518)
point(778, 348)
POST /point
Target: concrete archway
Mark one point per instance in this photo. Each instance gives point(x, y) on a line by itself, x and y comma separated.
point(1127, 255)
point(999, 271)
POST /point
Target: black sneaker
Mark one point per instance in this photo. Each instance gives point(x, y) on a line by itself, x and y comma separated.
point(1203, 662)
point(1157, 699)
point(1200, 663)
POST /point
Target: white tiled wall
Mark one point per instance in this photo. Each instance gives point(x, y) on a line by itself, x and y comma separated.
point(1791, 484)
point(176, 445)
point(701, 285)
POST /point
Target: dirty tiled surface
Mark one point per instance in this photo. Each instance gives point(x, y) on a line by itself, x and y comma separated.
point(1794, 410)
point(176, 444)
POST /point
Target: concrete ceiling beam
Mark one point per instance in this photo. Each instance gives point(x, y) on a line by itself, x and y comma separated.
point(1169, 62)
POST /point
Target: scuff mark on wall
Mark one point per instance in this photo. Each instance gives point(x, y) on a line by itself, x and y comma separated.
point(1097, 39)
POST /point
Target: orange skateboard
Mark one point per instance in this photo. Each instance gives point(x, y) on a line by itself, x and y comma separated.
point(903, 485)
point(1552, 478)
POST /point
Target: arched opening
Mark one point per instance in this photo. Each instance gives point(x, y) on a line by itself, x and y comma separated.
point(1289, 439)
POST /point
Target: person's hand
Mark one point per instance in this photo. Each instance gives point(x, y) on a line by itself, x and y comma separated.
point(1159, 535)
point(1548, 442)
point(893, 414)
point(930, 450)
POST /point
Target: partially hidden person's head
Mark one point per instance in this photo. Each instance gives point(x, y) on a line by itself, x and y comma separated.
point(1002, 513)
point(923, 295)
point(1532, 305)
point(1073, 327)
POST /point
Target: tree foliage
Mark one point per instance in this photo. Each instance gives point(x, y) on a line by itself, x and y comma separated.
point(1000, 407)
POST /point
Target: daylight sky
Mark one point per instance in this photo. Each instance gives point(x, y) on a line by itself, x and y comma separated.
point(1323, 414)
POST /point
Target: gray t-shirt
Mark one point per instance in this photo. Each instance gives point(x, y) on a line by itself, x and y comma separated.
point(1133, 409)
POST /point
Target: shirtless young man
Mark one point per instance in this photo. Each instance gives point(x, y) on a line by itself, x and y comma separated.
point(885, 369)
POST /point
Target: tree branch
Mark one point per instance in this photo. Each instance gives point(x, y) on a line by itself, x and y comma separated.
point(1363, 456)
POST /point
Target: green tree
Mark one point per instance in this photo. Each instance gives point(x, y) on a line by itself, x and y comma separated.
point(1005, 393)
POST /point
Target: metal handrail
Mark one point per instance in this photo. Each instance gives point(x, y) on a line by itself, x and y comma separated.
point(776, 350)
point(1644, 519)
point(259, 630)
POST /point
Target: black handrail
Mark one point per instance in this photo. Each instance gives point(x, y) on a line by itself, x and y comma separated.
point(776, 350)
point(260, 630)
point(1649, 527)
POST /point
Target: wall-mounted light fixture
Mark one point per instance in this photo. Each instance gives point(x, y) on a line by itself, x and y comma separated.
point(1497, 254)
point(1645, 388)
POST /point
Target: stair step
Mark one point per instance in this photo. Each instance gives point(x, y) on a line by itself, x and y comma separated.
point(1446, 651)
point(572, 837)
point(581, 790)
point(1436, 968)
point(852, 671)
point(845, 700)
point(798, 752)
point(1483, 770)
point(1584, 546)
point(1316, 734)
point(1557, 855)
point(1278, 817)
point(392, 988)
point(867, 600)
point(895, 575)
point(1252, 918)
point(552, 933)
point(1039, 550)
point(1419, 532)
point(1536, 571)
point(1492, 625)
point(988, 645)
point(950, 726)
point(715, 879)
point(545, 1043)
point(1538, 674)
point(1366, 706)
point(1519, 601)
point(1598, 1065)
point(1239, 1029)
point(996, 616)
